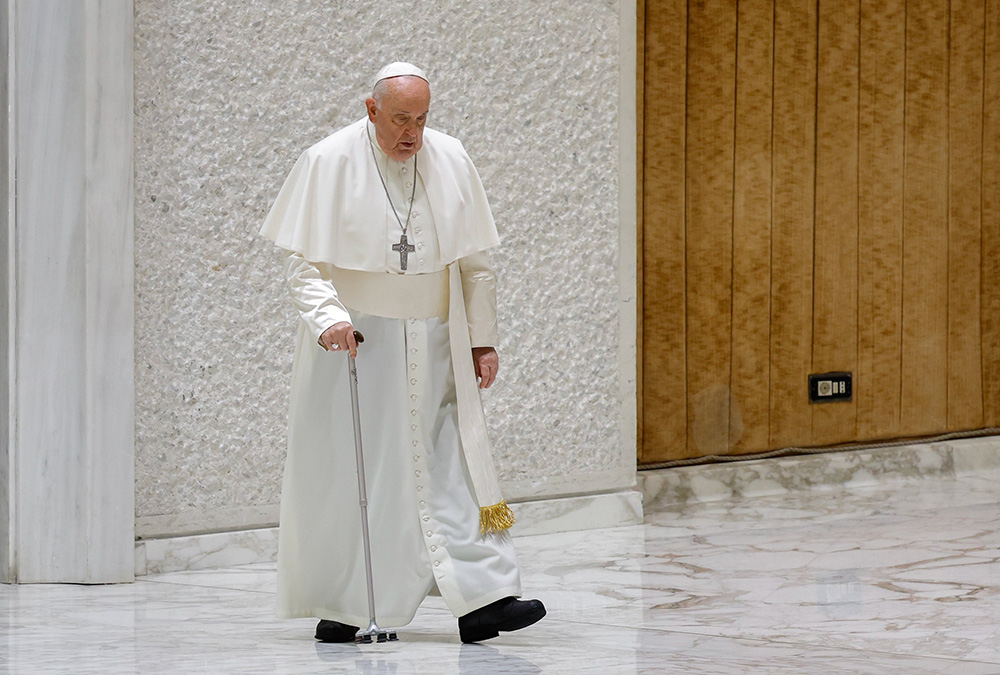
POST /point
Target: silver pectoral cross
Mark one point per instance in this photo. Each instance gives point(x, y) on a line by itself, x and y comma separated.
point(405, 248)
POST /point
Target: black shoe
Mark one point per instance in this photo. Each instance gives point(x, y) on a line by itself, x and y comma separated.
point(334, 631)
point(503, 615)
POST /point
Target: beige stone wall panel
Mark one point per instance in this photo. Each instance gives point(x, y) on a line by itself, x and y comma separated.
point(228, 93)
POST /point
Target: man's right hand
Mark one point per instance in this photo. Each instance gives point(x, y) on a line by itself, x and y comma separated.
point(340, 337)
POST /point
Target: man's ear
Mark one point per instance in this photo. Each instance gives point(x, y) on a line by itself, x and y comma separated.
point(371, 108)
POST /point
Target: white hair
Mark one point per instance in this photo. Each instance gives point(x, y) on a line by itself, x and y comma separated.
point(380, 90)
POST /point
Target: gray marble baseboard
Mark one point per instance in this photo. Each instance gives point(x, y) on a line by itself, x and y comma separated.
point(206, 521)
point(242, 547)
point(703, 483)
point(526, 495)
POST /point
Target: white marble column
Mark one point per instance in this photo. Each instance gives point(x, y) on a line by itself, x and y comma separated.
point(66, 468)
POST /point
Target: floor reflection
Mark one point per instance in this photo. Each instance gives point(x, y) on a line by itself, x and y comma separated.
point(880, 579)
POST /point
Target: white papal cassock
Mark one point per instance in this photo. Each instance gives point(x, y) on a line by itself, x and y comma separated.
point(423, 514)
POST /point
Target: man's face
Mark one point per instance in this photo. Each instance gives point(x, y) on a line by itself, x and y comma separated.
point(399, 121)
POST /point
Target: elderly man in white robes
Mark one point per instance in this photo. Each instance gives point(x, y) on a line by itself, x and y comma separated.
point(386, 225)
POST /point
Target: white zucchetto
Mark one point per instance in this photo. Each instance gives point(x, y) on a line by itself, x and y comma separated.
point(398, 69)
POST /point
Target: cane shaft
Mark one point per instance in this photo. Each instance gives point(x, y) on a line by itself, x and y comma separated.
point(352, 373)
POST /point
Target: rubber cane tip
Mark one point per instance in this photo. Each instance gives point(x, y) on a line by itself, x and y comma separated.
point(358, 337)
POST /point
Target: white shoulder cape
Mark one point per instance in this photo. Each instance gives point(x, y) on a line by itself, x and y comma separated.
point(332, 206)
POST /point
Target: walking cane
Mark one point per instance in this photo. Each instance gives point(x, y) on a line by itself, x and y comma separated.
point(373, 631)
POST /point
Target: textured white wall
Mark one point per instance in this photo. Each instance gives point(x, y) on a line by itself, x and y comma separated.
point(229, 92)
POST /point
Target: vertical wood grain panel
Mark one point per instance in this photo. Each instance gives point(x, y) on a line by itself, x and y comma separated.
point(821, 192)
point(880, 217)
point(925, 221)
point(664, 359)
point(792, 224)
point(965, 178)
point(991, 220)
point(750, 410)
point(835, 295)
point(711, 105)
point(640, 165)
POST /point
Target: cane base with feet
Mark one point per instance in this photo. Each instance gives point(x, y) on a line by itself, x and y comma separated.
point(374, 633)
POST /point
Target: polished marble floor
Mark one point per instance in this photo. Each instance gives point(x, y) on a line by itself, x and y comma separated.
point(900, 578)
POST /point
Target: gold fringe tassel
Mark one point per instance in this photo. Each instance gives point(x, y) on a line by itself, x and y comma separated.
point(495, 518)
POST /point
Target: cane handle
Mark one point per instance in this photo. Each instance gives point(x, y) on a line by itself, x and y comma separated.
point(358, 337)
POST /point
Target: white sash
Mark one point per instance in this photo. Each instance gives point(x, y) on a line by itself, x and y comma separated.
point(423, 296)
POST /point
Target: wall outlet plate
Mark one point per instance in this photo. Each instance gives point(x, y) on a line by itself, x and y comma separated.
point(831, 387)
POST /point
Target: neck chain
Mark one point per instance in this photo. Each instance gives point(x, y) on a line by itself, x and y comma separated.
point(404, 247)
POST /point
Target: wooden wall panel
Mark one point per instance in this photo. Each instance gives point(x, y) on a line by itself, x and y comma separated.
point(821, 191)
point(880, 217)
point(925, 221)
point(990, 299)
point(751, 342)
point(664, 363)
point(835, 294)
point(711, 104)
point(640, 92)
point(965, 178)
point(792, 221)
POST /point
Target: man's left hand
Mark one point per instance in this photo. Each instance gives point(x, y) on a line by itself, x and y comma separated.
point(487, 364)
